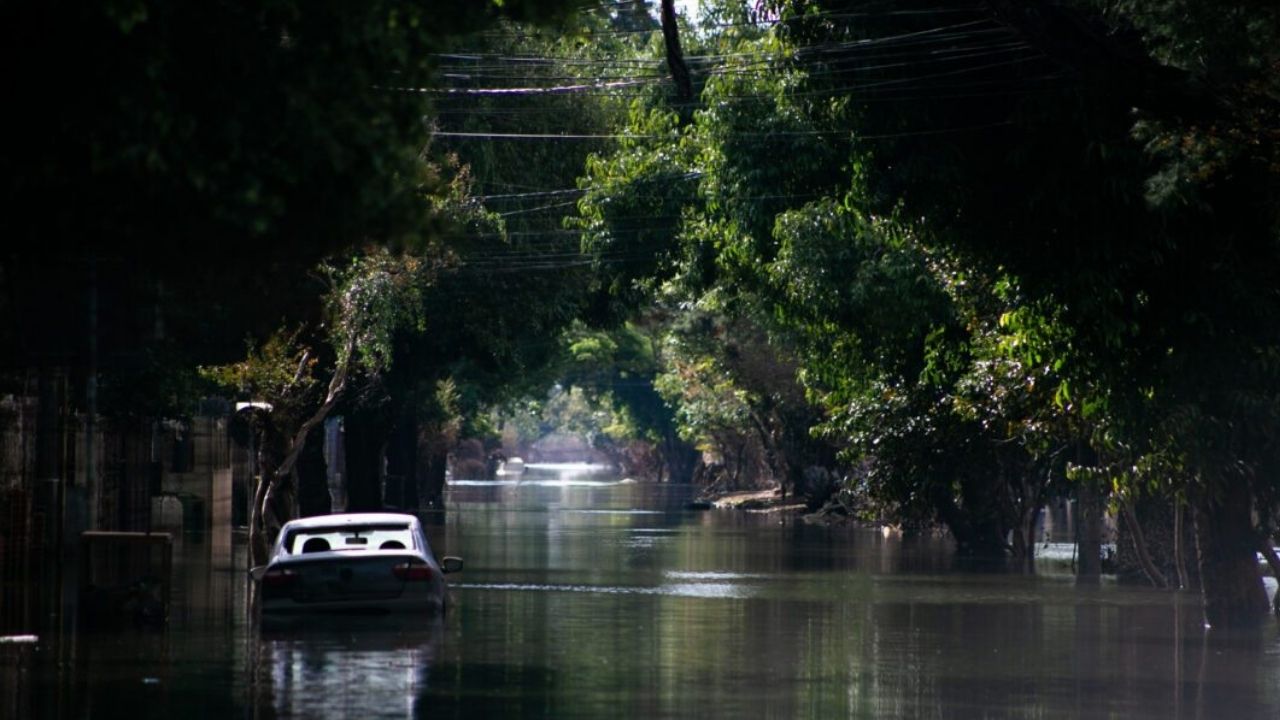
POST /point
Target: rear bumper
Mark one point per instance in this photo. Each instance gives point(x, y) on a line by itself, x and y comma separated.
point(288, 607)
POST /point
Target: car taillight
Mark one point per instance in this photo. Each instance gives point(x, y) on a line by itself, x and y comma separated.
point(278, 577)
point(412, 571)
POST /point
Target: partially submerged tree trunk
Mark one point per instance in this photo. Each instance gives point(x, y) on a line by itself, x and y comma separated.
point(313, 481)
point(402, 462)
point(432, 465)
point(680, 457)
point(1022, 491)
point(975, 521)
point(1227, 547)
point(1179, 544)
point(1089, 533)
point(366, 436)
point(1137, 537)
point(260, 534)
point(1156, 521)
point(432, 478)
point(1024, 540)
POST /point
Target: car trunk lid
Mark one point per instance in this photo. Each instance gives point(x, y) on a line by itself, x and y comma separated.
point(342, 577)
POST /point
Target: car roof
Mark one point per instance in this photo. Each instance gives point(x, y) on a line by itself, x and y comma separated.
point(341, 519)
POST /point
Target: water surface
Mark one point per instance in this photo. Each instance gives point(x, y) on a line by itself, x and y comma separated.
point(587, 597)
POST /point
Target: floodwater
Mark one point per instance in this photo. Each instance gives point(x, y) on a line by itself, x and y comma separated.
point(585, 597)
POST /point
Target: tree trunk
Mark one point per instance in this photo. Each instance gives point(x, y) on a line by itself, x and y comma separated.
point(267, 442)
point(773, 456)
point(366, 441)
point(434, 476)
point(1089, 534)
point(984, 518)
point(260, 534)
point(1226, 545)
point(1156, 522)
point(402, 463)
point(1024, 540)
point(313, 481)
point(1179, 545)
point(976, 527)
point(681, 457)
point(1153, 573)
point(675, 56)
point(259, 544)
point(1020, 503)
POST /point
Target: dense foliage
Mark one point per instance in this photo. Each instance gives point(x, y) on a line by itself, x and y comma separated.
point(1014, 249)
point(943, 261)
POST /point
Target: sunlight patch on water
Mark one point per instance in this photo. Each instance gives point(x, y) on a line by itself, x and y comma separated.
point(566, 482)
point(645, 541)
point(571, 468)
point(705, 590)
point(19, 639)
point(1066, 551)
point(543, 482)
point(712, 575)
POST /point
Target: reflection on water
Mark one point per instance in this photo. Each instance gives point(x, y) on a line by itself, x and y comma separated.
point(346, 668)
point(591, 599)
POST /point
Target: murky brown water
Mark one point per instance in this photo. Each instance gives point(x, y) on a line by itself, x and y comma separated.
point(587, 598)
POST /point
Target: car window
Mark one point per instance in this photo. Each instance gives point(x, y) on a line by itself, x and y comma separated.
point(354, 539)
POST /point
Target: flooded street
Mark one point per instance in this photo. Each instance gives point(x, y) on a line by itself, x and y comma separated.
point(598, 297)
point(586, 597)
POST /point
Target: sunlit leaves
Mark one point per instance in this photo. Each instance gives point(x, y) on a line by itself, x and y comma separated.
point(376, 296)
point(268, 371)
point(633, 204)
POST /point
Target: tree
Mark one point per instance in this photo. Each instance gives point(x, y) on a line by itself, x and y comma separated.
point(923, 157)
point(213, 156)
point(212, 159)
point(1145, 230)
point(620, 367)
point(371, 300)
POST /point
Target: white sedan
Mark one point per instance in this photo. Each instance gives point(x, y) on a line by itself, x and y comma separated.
point(357, 562)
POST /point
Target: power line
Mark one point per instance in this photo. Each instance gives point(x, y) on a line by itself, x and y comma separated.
point(612, 87)
point(935, 35)
point(852, 134)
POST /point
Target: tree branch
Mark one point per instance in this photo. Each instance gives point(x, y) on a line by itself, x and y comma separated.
point(337, 384)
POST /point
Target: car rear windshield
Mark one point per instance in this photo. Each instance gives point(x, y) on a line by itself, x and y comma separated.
point(349, 538)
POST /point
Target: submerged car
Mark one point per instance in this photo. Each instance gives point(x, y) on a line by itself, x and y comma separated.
point(352, 563)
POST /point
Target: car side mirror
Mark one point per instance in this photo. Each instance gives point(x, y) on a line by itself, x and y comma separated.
point(450, 564)
point(256, 573)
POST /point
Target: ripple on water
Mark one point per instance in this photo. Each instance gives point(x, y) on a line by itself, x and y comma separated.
point(713, 575)
point(691, 589)
point(630, 511)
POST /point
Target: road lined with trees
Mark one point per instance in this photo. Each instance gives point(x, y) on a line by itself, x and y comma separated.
point(931, 263)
